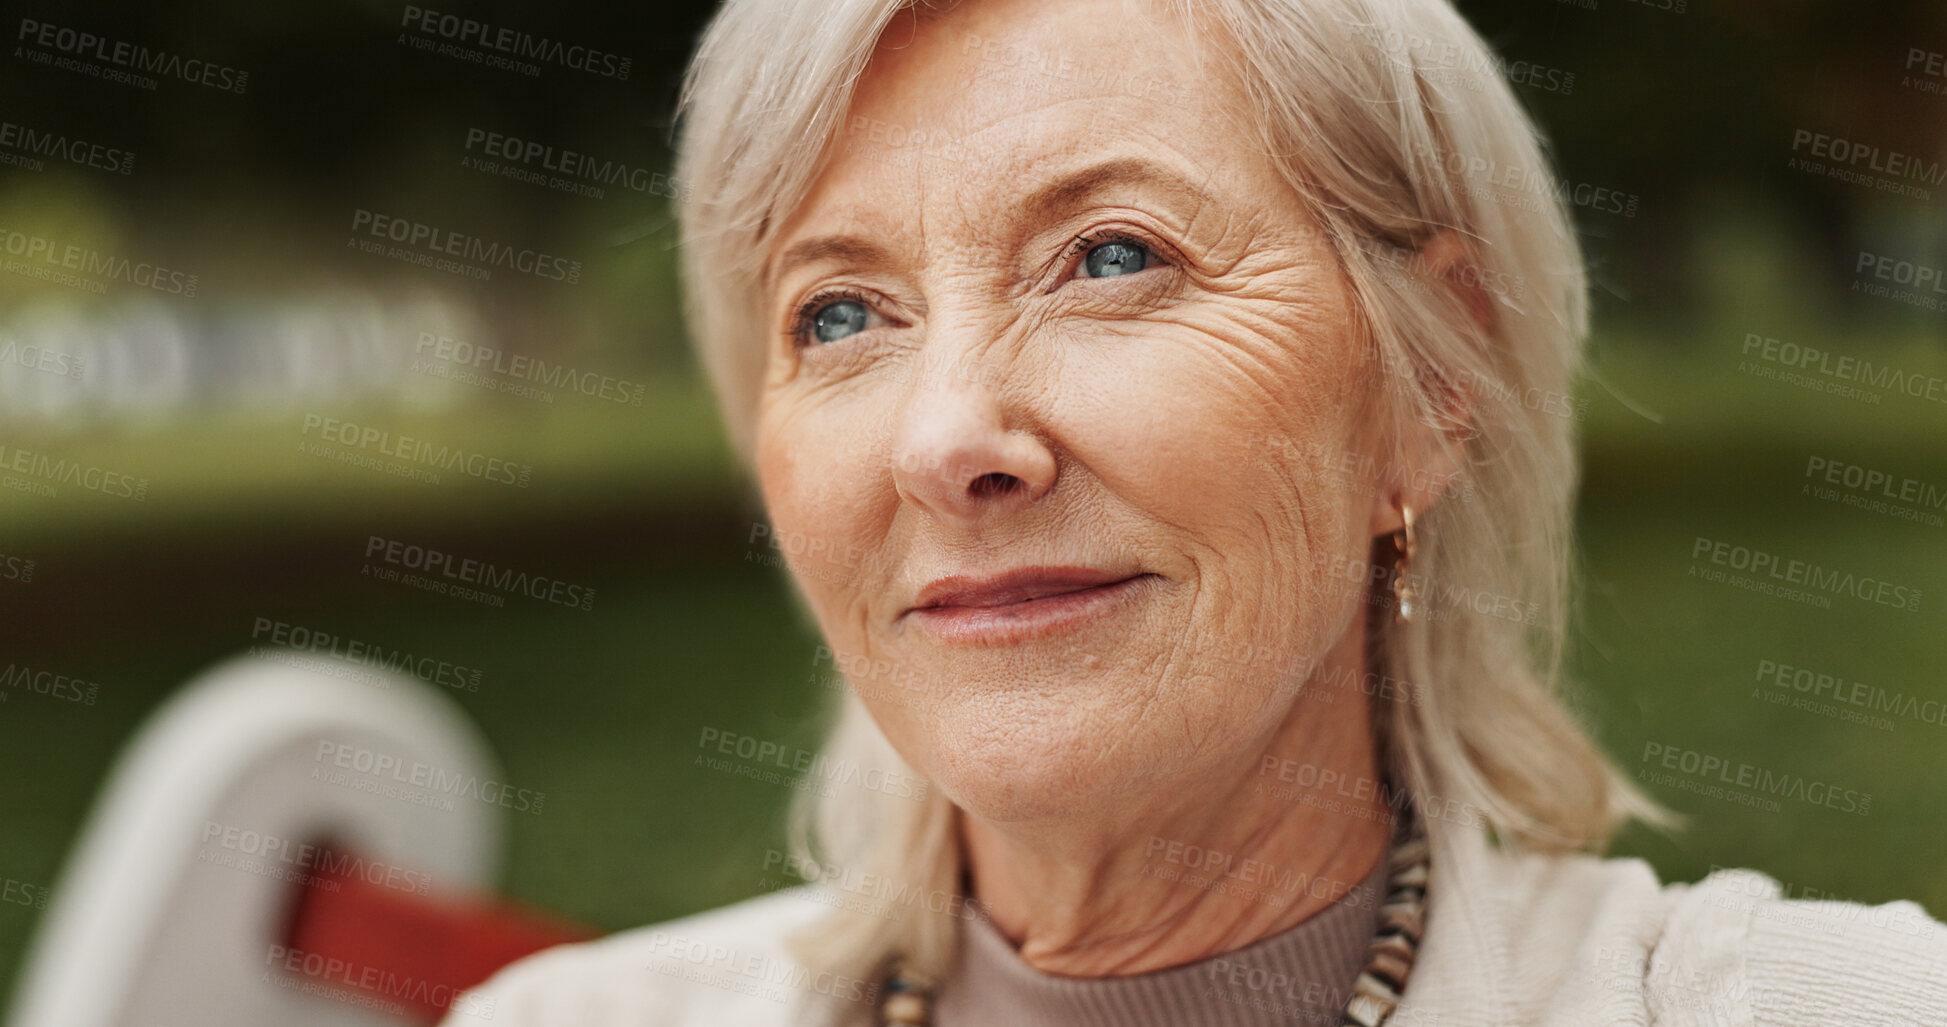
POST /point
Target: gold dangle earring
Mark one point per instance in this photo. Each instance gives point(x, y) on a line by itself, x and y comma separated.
point(1403, 592)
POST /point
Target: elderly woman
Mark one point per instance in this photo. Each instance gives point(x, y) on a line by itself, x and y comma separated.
point(1152, 398)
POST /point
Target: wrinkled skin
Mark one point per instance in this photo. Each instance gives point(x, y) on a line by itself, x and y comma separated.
point(1007, 405)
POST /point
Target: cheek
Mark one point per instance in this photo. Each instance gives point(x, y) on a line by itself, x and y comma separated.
point(1218, 436)
point(1229, 432)
point(817, 469)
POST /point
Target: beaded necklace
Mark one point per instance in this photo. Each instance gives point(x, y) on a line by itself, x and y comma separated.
point(1376, 992)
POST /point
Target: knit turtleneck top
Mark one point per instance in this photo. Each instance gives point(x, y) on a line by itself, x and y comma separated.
point(1302, 975)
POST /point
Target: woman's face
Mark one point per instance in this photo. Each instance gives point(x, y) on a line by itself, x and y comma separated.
point(1049, 306)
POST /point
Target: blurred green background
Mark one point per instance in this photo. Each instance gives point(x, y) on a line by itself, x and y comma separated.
point(1693, 113)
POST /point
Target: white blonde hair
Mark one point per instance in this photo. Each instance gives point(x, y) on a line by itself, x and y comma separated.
point(1391, 121)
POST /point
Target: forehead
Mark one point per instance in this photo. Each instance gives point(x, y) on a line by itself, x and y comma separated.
point(998, 59)
point(963, 113)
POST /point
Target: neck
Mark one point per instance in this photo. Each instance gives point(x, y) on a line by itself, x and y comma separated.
point(1209, 869)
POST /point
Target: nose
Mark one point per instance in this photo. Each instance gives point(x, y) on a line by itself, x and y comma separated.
point(956, 456)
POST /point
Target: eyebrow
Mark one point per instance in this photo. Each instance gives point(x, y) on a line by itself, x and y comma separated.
point(1073, 188)
point(846, 249)
point(1070, 190)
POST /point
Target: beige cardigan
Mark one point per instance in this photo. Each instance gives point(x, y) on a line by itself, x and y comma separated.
point(1511, 939)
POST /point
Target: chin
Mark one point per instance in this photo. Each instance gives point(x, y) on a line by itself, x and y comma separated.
point(1039, 761)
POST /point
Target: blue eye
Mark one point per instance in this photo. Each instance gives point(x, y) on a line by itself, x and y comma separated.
point(1115, 258)
point(835, 321)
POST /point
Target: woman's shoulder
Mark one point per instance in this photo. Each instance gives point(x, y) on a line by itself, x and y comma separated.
point(1803, 960)
point(726, 965)
point(1536, 938)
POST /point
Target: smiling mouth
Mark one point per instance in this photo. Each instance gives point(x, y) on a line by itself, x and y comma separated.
point(1017, 608)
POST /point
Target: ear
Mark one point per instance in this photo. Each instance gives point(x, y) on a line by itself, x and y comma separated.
point(1447, 257)
point(1427, 468)
point(1426, 472)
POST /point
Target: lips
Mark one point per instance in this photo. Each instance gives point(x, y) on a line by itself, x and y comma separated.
point(1023, 605)
point(1016, 586)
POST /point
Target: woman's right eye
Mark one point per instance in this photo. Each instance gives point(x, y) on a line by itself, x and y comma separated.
point(834, 320)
